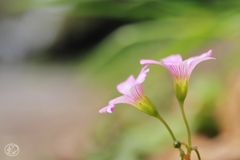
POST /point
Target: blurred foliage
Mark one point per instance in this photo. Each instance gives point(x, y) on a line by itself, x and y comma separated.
point(208, 91)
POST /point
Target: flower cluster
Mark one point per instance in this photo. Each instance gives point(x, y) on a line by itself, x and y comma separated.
point(133, 94)
point(132, 90)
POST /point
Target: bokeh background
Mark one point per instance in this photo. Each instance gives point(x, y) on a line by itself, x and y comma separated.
point(60, 62)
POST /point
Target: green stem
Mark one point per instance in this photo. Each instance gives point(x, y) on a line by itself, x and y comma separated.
point(198, 155)
point(187, 126)
point(182, 154)
point(168, 128)
point(185, 145)
point(182, 158)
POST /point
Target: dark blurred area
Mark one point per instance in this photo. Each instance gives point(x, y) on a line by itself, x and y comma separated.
point(81, 35)
point(60, 62)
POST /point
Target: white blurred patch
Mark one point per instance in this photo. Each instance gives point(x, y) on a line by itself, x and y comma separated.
point(29, 33)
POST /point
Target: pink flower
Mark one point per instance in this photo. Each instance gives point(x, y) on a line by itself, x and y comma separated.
point(180, 70)
point(133, 94)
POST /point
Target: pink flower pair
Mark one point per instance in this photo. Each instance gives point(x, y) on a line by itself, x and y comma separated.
point(133, 93)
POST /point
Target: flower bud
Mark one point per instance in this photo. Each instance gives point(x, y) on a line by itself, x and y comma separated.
point(177, 144)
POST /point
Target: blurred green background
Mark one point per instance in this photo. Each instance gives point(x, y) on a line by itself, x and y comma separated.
point(62, 59)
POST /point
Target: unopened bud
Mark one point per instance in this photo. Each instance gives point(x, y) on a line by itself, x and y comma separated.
point(177, 144)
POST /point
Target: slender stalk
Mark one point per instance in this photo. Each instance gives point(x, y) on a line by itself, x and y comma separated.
point(198, 155)
point(182, 154)
point(168, 128)
point(187, 126)
point(185, 145)
point(170, 131)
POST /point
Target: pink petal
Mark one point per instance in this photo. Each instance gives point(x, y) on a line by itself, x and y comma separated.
point(112, 103)
point(137, 92)
point(123, 99)
point(192, 62)
point(204, 55)
point(125, 86)
point(208, 54)
point(173, 59)
point(142, 75)
point(108, 109)
point(149, 62)
point(177, 70)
